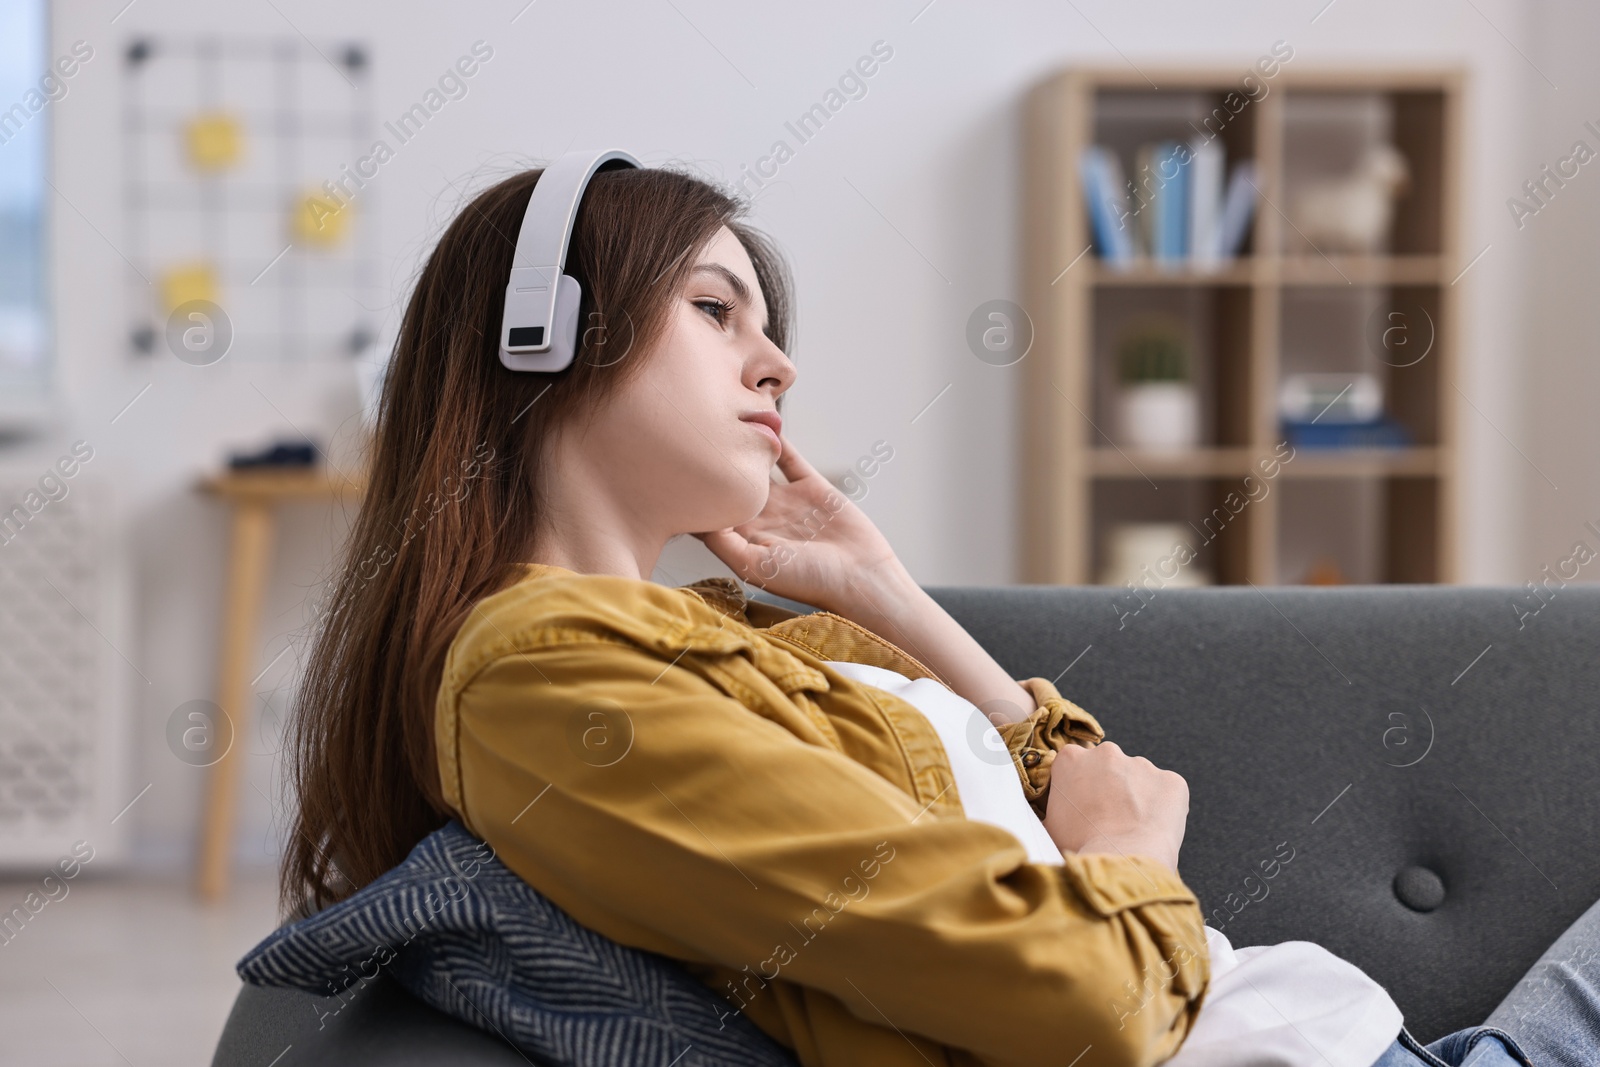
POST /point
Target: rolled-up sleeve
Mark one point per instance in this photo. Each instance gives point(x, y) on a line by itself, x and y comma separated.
point(669, 816)
point(1034, 741)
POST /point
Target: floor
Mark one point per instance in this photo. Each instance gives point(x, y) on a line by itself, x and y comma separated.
point(125, 971)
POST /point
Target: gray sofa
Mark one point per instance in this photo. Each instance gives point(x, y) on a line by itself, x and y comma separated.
point(1414, 766)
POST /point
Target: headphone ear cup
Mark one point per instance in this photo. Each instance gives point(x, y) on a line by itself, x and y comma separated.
point(564, 333)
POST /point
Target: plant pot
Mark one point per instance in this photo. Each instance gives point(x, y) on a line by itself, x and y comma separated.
point(1158, 416)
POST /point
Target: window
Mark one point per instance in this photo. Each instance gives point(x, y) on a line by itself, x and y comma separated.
point(27, 86)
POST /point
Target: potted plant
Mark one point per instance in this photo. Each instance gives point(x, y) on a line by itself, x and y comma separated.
point(1157, 408)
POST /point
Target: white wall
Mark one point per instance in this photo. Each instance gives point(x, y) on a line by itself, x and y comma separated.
point(900, 217)
point(1557, 361)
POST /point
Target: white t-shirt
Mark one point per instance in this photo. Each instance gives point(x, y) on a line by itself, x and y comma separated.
point(1293, 1004)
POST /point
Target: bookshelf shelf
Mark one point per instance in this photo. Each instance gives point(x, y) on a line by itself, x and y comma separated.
point(1362, 270)
point(1286, 270)
point(1237, 272)
point(1200, 463)
point(1283, 305)
point(1364, 462)
point(1238, 462)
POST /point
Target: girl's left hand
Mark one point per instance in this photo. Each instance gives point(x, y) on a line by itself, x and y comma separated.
point(811, 543)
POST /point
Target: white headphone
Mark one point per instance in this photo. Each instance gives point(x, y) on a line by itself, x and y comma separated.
point(539, 326)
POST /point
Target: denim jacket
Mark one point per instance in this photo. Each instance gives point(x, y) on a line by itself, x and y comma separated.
point(680, 770)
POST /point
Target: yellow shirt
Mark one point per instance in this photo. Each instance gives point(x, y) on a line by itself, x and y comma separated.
point(680, 770)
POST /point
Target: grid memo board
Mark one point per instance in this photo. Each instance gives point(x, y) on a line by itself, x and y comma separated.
point(238, 156)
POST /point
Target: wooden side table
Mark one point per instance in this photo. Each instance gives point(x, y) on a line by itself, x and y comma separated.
point(253, 496)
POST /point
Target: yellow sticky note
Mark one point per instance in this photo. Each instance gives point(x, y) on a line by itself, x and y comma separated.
point(186, 282)
point(319, 219)
point(215, 141)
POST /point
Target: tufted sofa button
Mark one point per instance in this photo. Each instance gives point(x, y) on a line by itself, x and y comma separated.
point(1031, 758)
point(1419, 888)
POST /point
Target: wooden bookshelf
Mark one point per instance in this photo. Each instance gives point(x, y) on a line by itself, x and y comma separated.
point(1251, 319)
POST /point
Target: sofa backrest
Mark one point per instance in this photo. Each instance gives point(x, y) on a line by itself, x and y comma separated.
point(1405, 775)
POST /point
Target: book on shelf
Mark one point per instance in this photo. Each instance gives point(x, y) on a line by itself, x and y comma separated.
point(1175, 210)
point(1169, 204)
point(1238, 208)
point(1100, 172)
point(1337, 410)
point(1381, 432)
point(1205, 202)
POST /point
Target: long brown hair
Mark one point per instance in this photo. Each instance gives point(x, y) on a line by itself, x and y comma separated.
point(453, 497)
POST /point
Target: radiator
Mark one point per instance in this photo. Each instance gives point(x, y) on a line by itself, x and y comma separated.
point(67, 665)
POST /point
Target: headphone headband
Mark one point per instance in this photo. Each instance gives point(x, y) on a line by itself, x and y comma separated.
point(539, 326)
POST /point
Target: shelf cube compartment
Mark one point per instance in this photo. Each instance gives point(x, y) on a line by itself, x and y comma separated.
point(1337, 531)
point(1211, 325)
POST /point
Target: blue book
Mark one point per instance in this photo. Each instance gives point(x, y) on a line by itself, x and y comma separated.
point(1382, 432)
point(1101, 175)
point(1172, 160)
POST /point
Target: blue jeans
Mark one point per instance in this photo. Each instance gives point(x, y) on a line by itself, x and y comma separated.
point(1551, 1018)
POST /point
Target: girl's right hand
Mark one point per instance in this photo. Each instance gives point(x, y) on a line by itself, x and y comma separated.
point(1103, 800)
